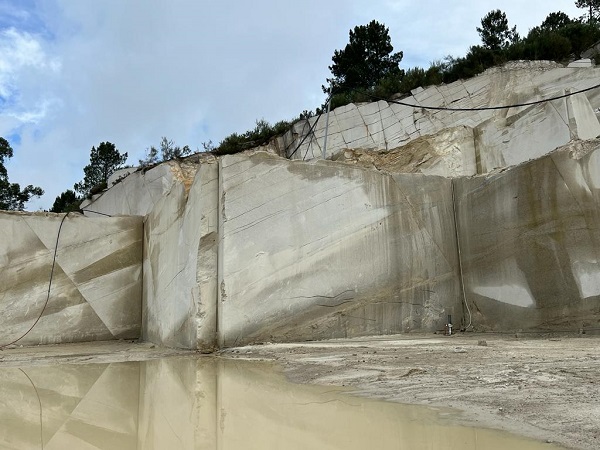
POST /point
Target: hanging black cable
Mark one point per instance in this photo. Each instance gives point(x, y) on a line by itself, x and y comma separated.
point(308, 148)
point(40, 403)
point(311, 129)
point(287, 147)
point(95, 212)
point(49, 288)
point(483, 108)
point(444, 108)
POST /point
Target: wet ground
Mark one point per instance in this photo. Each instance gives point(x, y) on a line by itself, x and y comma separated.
point(125, 395)
point(543, 386)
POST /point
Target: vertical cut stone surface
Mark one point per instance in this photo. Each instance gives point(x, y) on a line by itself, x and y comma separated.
point(180, 265)
point(324, 250)
point(96, 286)
point(530, 243)
point(534, 131)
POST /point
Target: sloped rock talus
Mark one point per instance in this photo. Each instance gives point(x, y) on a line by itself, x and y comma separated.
point(323, 250)
point(530, 243)
point(96, 287)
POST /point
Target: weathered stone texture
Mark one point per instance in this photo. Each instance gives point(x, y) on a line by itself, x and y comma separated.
point(138, 192)
point(501, 137)
point(324, 250)
point(273, 249)
point(96, 286)
point(530, 243)
point(451, 152)
point(533, 132)
point(180, 265)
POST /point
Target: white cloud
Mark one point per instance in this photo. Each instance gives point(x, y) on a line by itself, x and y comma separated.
point(23, 67)
point(18, 52)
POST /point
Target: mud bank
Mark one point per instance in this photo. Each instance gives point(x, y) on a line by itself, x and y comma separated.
point(544, 387)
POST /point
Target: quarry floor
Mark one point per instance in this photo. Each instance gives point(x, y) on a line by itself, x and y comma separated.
point(544, 387)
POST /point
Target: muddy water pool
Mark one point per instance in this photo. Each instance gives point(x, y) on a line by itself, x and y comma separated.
point(209, 403)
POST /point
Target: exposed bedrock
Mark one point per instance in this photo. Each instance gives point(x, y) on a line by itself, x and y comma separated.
point(501, 137)
point(96, 284)
point(180, 264)
point(254, 247)
point(260, 248)
point(530, 243)
point(323, 250)
point(138, 191)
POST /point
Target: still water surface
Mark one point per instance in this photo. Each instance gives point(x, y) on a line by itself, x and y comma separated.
point(206, 403)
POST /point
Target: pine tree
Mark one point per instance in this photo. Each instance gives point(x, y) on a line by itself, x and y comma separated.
point(365, 60)
point(104, 160)
point(11, 196)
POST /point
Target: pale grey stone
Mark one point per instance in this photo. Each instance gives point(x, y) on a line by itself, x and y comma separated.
point(96, 285)
point(138, 193)
point(530, 243)
point(581, 63)
point(180, 264)
point(316, 250)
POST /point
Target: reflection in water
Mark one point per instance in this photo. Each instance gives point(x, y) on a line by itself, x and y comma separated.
point(190, 403)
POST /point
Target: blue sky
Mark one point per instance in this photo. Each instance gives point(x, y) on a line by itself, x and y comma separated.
point(74, 73)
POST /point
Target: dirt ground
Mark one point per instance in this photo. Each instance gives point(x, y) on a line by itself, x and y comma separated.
point(83, 353)
point(544, 387)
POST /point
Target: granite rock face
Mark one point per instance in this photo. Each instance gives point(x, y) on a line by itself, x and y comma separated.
point(253, 247)
point(530, 243)
point(324, 250)
point(450, 152)
point(500, 137)
point(265, 249)
point(180, 264)
point(137, 192)
point(96, 286)
point(533, 132)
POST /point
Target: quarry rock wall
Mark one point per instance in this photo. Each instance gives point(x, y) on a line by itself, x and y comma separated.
point(96, 289)
point(500, 137)
point(262, 248)
point(180, 264)
point(421, 214)
point(138, 191)
point(530, 243)
point(325, 250)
